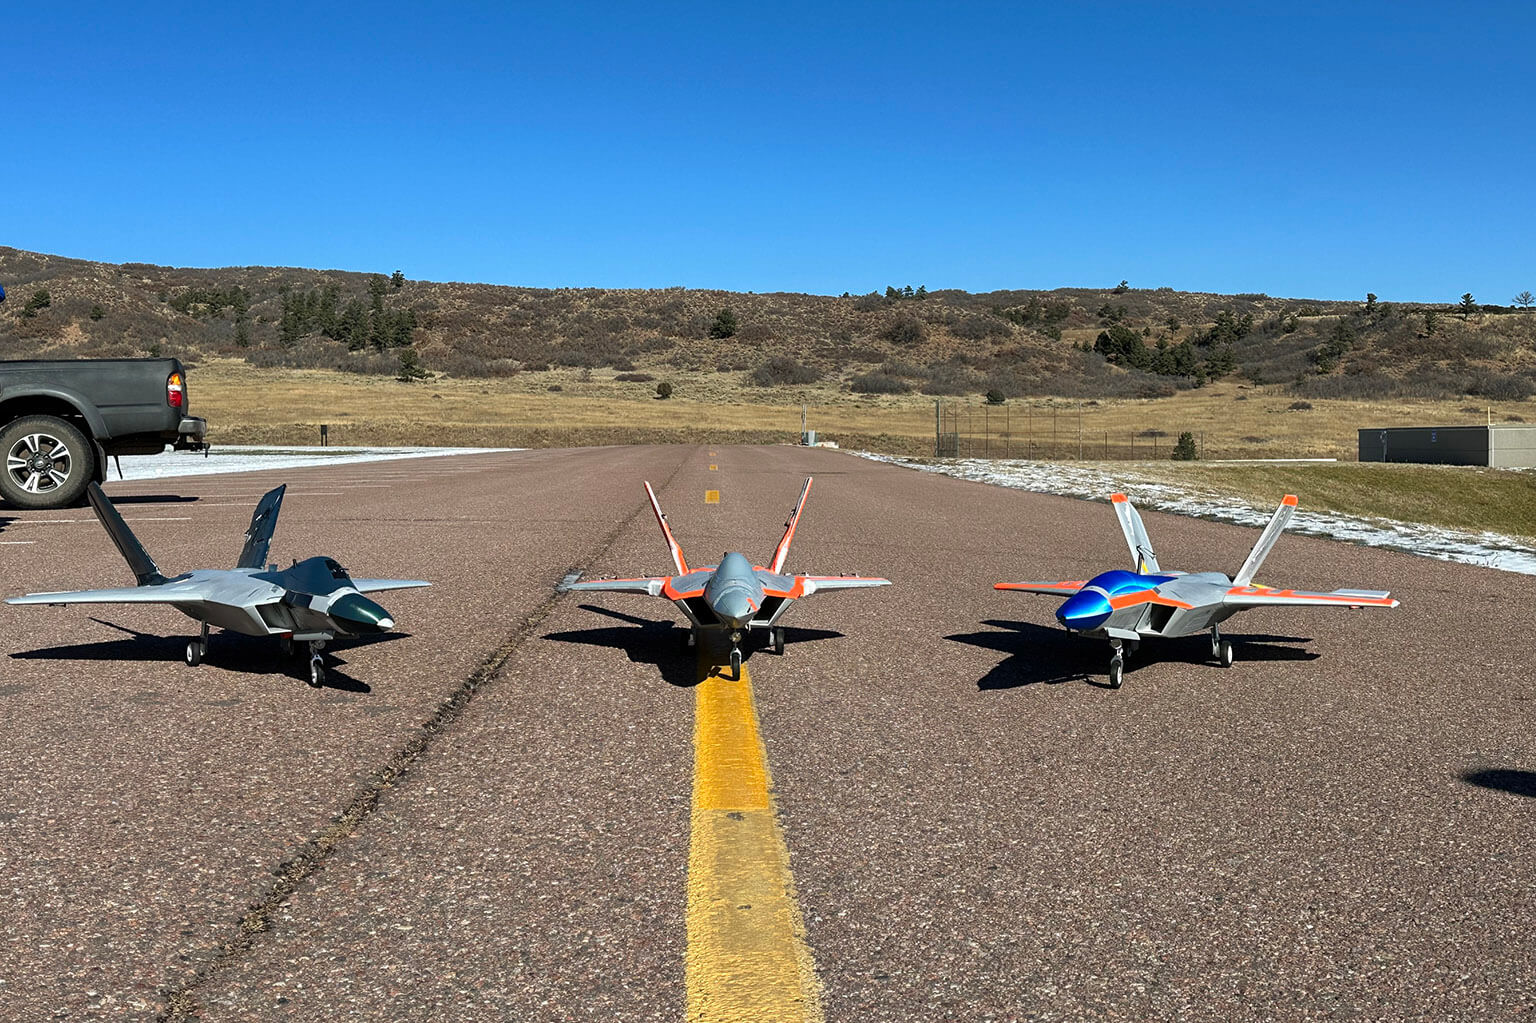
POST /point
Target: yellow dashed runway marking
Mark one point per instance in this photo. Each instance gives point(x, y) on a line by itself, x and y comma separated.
point(711, 497)
point(747, 956)
point(714, 468)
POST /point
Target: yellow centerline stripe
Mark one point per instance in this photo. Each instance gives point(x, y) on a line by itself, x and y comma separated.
point(747, 956)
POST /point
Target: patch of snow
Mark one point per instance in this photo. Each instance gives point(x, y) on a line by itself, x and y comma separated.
point(252, 457)
point(1490, 550)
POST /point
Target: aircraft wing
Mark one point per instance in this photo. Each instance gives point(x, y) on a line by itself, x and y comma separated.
point(377, 585)
point(126, 595)
point(650, 586)
point(805, 585)
point(1062, 589)
point(1263, 596)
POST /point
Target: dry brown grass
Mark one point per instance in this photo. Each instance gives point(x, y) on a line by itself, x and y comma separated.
point(248, 405)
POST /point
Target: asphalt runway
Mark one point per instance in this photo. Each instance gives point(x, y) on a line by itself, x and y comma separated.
point(488, 814)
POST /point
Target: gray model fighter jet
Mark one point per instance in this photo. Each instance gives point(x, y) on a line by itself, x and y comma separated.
point(313, 601)
point(735, 595)
point(1126, 607)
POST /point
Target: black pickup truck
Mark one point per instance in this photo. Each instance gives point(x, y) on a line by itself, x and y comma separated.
point(60, 420)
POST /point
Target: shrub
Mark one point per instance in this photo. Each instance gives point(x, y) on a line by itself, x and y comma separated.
point(664, 390)
point(1301, 406)
point(879, 382)
point(979, 328)
point(634, 378)
point(1500, 386)
point(995, 397)
point(905, 330)
point(724, 325)
point(944, 378)
point(1184, 450)
point(782, 370)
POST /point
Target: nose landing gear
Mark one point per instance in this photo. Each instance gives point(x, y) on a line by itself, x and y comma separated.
point(316, 663)
point(736, 654)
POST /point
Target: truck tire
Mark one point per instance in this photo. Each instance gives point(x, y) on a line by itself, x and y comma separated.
point(48, 462)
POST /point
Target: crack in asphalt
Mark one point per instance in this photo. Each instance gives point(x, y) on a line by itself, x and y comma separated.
point(181, 1004)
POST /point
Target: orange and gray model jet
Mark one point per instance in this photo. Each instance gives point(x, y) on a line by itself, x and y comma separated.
point(735, 595)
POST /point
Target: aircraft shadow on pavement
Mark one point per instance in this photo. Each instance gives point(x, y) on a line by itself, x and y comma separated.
point(1039, 653)
point(1503, 779)
point(154, 499)
point(6, 520)
point(665, 643)
point(229, 651)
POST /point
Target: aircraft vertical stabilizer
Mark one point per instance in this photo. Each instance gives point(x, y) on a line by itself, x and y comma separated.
point(781, 553)
point(666, 531)
point(1267, 540)
point(139, 561)
point(1143, 557)
point(258, 536)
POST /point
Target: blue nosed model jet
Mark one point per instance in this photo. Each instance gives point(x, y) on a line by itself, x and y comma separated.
point(735, 595)
point(1125, 607)
point(313, 601)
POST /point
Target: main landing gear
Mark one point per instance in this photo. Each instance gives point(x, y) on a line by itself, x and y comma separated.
point(197, 649)
point(776, 636)
point(1221, 649)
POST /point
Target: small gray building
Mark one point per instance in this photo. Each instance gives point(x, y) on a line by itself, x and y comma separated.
point(1503, 446)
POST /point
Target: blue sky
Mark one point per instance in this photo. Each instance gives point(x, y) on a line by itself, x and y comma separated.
point(1320, 151)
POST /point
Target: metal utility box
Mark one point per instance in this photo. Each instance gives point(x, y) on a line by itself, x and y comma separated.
point(1503, 446)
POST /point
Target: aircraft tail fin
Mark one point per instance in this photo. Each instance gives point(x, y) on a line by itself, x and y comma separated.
point(139, 561)
point(1267, 540)
point(781, 552)
point(258, 536)
point(1143, 557)
point(666, 531)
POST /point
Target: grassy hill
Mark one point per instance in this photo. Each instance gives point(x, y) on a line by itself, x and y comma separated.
point(1108, 343)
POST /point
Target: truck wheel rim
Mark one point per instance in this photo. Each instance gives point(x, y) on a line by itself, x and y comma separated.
point(39, 463)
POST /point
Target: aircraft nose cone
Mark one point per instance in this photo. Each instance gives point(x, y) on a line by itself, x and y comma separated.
point(357, 614)
point(733, 607)
point(1084, 611)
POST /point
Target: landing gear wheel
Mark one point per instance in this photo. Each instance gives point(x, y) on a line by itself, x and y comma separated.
point(1116, 670)
point(194, 653)
point(736, 662)
point(48, 463)
point(316, 671)
point(1225, 653)
point(778, 641)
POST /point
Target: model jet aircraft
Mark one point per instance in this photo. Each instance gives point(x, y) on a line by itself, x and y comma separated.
point(313, 601)
point(735, 595)
point(1126, 607)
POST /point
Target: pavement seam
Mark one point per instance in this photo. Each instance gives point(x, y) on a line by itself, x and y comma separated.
point(181, 1005)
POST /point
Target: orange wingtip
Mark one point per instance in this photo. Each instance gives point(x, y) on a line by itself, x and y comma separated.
point(1118, 498)
point(1290, 499)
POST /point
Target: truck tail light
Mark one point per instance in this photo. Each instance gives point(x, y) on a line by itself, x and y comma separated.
point(175, 391)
